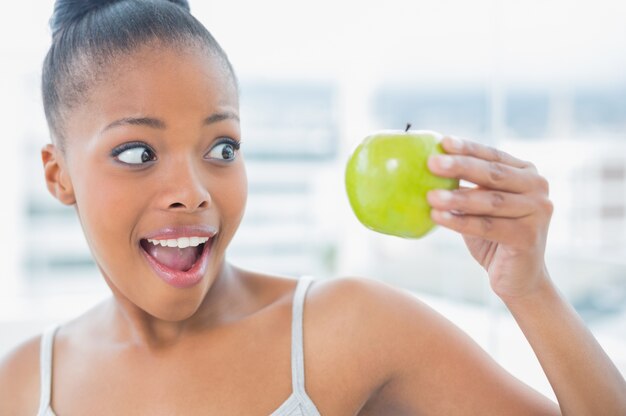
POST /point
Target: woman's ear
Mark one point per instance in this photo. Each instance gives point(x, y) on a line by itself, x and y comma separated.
point(57, 177)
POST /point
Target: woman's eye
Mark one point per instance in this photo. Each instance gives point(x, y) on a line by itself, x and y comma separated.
point(224, 151)
point(134, 154)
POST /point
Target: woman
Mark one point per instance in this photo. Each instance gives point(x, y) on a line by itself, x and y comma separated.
point(142, 106)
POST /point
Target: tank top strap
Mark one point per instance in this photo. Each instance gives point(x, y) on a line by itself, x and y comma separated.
point(45, 367)
point(297, 344)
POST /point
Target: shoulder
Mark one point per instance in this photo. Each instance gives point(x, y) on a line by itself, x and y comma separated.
point(375, 304)
point(400, 330)
point(362, 291)
point(19, 379)
point(384, 326)
point(378, 311)
point(421, 362)
point(370, 335)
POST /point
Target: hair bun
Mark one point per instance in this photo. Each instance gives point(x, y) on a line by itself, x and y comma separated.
point(182, 3)
point(69, 11)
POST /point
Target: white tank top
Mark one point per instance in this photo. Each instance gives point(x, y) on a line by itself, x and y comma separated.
point(298, 404)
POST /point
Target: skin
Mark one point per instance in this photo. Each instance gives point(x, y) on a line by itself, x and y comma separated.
point(155, 349)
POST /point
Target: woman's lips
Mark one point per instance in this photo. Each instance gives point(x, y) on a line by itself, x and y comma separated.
point(181, 278)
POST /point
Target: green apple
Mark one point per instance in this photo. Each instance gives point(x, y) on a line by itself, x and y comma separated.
point(387, 179)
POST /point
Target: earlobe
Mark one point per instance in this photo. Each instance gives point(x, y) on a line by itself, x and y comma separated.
point(56, 175)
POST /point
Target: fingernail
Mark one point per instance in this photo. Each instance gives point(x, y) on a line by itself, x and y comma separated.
point(455, 143)
point(445, 162)
point(444, 215)
point(443, 196)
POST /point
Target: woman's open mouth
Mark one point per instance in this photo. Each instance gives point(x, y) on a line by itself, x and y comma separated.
point(180, 262)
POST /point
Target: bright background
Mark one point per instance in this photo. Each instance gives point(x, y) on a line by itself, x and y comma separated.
point(544, 80)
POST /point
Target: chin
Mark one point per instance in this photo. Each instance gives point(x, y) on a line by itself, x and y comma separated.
point(176, 310)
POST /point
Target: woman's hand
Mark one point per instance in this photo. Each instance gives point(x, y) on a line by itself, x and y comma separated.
point(504, 219)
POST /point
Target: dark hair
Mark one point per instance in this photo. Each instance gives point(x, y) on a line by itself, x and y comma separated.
point(88, 36)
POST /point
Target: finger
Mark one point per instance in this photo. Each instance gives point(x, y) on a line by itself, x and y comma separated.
point(455, 145)
point(488, 174)
point(503, 230)
point(481, 202)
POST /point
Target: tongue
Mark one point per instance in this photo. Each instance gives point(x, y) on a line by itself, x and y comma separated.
point(173, 257)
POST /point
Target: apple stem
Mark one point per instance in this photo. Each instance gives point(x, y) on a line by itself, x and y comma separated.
point(408, 126)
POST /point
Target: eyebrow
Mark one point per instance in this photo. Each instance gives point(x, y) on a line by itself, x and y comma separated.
point(156, 123)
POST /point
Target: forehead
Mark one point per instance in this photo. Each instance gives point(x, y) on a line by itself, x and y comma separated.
point(158, 81)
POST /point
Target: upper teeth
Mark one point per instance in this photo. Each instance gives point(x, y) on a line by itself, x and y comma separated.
point(181, 242)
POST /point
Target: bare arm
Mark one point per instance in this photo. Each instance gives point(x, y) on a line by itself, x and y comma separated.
point(19, 379)
point(582, 376)
point(432, 367)
point(504, 222)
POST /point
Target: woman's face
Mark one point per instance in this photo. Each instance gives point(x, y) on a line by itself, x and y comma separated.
point(153, 161)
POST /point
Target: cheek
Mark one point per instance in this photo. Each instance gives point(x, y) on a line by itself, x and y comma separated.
point(242, 193)
point(108, 210)
point(232, 200)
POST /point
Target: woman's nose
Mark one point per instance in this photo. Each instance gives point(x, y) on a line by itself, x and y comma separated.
point(188, 206)
point(186, 190)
